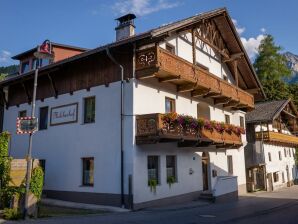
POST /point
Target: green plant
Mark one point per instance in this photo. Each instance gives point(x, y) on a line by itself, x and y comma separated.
point(4, 168)
point(171, 180)
point(152, 183)
point(36, 183)
point(12, 214)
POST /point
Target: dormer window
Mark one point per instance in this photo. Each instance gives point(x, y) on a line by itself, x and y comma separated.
point(25, 67)
point(170, 48)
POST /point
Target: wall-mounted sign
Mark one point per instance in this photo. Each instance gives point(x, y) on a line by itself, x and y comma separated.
point(26, 125)
point(64, 114)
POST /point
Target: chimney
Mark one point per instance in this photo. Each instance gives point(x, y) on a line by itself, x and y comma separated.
point(125, 27)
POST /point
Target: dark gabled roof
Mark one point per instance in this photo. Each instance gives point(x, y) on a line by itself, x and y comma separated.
point(18, 56)
point(266, 111)
point(165, 30)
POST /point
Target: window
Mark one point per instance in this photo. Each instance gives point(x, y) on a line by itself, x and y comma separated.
point(290, 154)
point(227, 119)
point(34, 64)
point(153, 168)
point(88, 171)
point(170, 105)
point(171, 167)
point(23, 113)
point(170, 48)
point(230, 165)
point(279, 155)
point(42, 164)
point(275, 177)
point(44, 62)
point(269, 156)
point(89, 110)
point(285, 152)
point(202, 66)
point(242, 122)
point(25, 67)
point(43, 118)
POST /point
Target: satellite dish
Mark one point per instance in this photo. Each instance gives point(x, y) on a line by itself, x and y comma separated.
point(44, 51)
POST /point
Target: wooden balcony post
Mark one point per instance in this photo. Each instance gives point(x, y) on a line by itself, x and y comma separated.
point(193, 40)
point(235, 64)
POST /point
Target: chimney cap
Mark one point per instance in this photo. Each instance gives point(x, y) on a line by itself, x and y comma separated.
point(127, 17)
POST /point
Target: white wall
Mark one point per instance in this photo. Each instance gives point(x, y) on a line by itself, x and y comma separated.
point(63, 146)
point(149, 97)
point(277, 165)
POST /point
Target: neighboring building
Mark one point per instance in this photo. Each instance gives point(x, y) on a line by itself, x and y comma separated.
point(196, 66)
point(271, 149)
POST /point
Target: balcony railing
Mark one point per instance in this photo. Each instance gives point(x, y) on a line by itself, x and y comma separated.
point(151, 128)
point(167, 67)
point(276, 137)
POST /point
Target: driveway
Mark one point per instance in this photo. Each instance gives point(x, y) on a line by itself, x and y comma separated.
point(261, 207)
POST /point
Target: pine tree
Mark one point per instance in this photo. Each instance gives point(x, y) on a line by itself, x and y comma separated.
point(270, 64)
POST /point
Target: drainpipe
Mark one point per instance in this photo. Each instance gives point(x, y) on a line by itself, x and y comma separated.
point(121, 123)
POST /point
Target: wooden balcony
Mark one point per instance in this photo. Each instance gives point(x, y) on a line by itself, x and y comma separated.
point(276, 137)
point(151, 129)
point(167, 67)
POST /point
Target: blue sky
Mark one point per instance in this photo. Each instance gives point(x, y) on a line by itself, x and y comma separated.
point(90, 23)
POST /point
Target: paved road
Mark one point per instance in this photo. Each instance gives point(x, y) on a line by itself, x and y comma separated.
point(276, 207)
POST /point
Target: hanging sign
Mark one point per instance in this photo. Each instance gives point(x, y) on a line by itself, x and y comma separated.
point(64, 114)
point(26, 125)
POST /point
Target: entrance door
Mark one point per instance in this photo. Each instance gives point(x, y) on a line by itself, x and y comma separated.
point(270, 183)
point(205, 165)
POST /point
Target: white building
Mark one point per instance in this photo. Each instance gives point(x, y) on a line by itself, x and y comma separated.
point(196, 67)
point(271, 149)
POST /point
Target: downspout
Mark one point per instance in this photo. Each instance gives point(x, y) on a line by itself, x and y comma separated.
point(121, 123)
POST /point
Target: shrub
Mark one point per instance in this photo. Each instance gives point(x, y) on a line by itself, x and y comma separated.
point(36, 183)
point(12, 214)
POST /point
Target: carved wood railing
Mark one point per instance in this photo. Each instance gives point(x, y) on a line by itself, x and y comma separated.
point(160, 63)
point(270, 136)
point(150, 128)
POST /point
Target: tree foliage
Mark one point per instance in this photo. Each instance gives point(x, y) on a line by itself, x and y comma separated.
point(4, 166)
point(9, 69)
point(36, 183)
point(270, 64)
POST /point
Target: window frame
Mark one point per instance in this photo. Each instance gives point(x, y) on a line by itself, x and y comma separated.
point(47, 118)
point(242, 122)
point(227, 119)
point(174, 167)
point(22, 111)
point(85, 110)
point(279, 155)
point(172, 105)
point(157, 169)
point(83, 159)
point(269, 157)
point(170, 48)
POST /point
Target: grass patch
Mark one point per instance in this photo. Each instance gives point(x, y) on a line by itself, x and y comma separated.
point(56, 211)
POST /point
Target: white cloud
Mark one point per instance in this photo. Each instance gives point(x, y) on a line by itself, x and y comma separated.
point(142, 7)
point(4, 56)
point(239, 29)
point(252, 44)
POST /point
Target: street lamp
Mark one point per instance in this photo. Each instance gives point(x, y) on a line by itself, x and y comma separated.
point(44, 51)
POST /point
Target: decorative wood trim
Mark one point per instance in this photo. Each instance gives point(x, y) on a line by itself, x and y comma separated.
point(27, 92)
point(55, 91)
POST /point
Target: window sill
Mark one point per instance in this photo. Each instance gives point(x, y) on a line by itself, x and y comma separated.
point(86, 186)
point(88, 123)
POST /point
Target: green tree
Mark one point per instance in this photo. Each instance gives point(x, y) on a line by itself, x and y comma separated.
point(276, 89)
point(2, 76)
point(293, 88)
point(270, 64)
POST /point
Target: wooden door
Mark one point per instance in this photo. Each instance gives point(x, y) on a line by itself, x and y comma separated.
point(205, 165)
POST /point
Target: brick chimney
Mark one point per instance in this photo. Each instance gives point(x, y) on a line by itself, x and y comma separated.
point(125, 27)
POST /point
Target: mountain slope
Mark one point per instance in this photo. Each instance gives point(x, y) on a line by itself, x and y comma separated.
point(293, 65)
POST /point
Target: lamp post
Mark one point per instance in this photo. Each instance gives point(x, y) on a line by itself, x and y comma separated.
point(44, 51)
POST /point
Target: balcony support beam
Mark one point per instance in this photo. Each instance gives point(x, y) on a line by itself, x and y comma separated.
point(26, 92)
point(200, 92)
point(212, 94)
point(222, 101)
point(186, 88)
point(169, 79)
